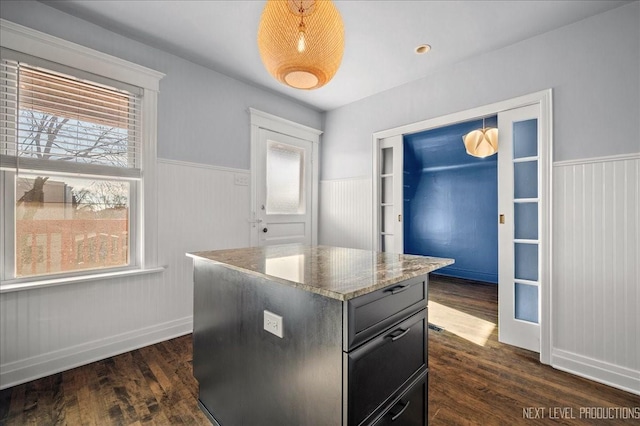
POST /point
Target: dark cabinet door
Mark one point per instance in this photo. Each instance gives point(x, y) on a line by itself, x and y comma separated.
point(410, 409)
point(379, 369)
point(371, 314)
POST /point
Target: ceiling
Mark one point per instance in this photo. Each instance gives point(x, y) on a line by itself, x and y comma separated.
point(380, 36)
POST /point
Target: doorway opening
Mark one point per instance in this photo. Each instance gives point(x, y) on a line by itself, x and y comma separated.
point(451, 201)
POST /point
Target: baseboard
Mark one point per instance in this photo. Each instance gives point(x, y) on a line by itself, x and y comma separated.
point(465, 274)
point(433, 276)
point(25, 370)
point(598, 371)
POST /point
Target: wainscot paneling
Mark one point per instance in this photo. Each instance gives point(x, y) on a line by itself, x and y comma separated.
point(596, 271)
point(51, 329)
point(345, 213)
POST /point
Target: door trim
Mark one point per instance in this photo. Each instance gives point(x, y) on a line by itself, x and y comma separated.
point(263, 120)
point(544, 100)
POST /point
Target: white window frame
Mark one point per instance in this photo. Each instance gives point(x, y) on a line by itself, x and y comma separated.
point(44, 46)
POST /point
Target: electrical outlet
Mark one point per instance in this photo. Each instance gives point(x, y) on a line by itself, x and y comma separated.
point(273, 323)
point(241, 179)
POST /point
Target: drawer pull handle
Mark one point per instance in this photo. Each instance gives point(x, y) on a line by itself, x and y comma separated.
point(393, 419)
point(399, 336)
point(399, 289)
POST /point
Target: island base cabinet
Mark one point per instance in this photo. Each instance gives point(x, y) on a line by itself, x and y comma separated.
point(355, 362)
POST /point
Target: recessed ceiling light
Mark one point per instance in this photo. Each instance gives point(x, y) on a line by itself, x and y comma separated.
point(423, 48)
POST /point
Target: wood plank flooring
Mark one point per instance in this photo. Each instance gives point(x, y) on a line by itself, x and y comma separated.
point(469, 383)
point(152, 385)
point(494, 384)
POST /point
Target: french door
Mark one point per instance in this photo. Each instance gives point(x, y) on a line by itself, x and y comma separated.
point(519, 230)
point(524, 193)
point(390, 231)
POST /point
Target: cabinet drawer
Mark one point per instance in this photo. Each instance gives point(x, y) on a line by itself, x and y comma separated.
point(379, 368)
point(372, 313)
point(408, 410)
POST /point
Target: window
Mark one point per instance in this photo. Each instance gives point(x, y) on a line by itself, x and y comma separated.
point(285, 179)
point(70, 159)
point(73, 144)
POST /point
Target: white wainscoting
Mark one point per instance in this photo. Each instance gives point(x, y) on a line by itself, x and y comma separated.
point(345, 213)
point(52, 329)
point(596, 269)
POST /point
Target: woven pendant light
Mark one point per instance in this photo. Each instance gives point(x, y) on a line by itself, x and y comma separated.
point(301, 42)
point(482, 142)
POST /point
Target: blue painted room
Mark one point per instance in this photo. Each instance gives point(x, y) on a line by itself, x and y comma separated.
point(451, 201)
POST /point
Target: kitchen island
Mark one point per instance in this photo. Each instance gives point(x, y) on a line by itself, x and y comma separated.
point(311, 335)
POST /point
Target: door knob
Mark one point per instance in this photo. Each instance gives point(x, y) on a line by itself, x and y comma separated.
point(264, 230)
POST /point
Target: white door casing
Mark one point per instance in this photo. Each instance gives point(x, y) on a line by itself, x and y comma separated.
point(543, 100)
point(287, 139)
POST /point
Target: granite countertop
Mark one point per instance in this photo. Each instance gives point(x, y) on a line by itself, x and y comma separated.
point(336, 272)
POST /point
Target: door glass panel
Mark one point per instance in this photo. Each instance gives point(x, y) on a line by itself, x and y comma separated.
point(526, 302)
point(387, 219)
point(387, 243)
point(526, 261)
point(387, 190)
point(525, 179)
point(285, 176)
point(525, 138)
point(526, 221)
point(387, 161)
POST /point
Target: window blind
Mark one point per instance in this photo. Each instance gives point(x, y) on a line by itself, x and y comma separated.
point(60, 123)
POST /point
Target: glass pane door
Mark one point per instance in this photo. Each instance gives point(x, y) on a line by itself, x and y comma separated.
point(519, 229)
point(284, 190)
point(390, 180)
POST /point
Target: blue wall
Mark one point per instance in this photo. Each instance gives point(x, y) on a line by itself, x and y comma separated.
point(451, 202)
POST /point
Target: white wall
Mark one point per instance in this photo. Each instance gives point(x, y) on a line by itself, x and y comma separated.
point(593, 68)
point(345, 213)
point(203, 143)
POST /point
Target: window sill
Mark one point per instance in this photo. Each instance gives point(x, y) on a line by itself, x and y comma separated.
point(20, 285)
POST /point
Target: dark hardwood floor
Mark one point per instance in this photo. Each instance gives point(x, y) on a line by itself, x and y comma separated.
point(494, 384)
point(473, 379)
point(152, 385)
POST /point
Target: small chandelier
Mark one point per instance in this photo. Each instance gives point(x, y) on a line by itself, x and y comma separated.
point(301, 41)
point(482, 142)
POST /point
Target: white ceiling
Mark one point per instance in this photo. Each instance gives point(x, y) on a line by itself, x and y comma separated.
point(380, 36)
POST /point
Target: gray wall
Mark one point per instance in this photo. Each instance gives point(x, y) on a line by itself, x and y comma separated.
point(202, 114)
point(593, 67)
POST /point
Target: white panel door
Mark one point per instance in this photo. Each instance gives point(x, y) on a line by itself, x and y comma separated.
point(390, 195)
point(284, 185)
point(519, 232)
